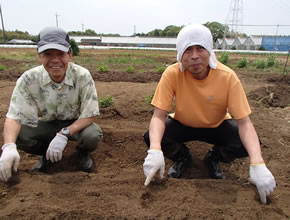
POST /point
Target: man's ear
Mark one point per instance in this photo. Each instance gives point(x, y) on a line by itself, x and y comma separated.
point(39, 58)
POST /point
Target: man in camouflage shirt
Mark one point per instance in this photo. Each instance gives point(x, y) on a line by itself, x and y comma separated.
point(51, 104)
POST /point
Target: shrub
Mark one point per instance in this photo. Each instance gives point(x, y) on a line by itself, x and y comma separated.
point(2, 67)
point(74, 47)
point(130, 69)
point(271, 60)
point(260, 64)
point(106, 101)
point(224, 58)
point(103, 68)
point(242, 63)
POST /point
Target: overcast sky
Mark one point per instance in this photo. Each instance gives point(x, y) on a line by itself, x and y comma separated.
point(126, 16)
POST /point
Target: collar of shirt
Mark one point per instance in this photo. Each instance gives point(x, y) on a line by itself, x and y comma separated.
point(68, 80)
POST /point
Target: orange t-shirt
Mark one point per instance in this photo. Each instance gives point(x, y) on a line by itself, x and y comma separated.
point(202, 103)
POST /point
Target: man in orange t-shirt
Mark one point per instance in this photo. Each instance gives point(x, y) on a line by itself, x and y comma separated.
point(209, 105)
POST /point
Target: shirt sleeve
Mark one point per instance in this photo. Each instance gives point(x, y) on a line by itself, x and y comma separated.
point(22, 106)
point(164, 94)
point(238, 103)
point(89, 98)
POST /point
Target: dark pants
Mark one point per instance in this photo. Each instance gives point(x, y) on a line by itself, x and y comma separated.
point(35, 140)
point(225, 138)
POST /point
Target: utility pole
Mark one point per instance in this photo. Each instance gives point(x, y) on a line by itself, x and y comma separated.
point(236, 14)
point(56, 17)
point(4, 37)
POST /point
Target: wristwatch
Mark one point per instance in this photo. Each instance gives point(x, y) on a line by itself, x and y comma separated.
point(65, 131)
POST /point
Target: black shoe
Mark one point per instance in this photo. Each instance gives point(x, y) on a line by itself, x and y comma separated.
point(212, 163)
point(85, 161)
point(42, 165)
point(178, 168)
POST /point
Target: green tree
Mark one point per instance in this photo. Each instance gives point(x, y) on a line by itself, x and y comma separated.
point(90, 32)
point(74, 47)
point(171, 31)
point(217, 29)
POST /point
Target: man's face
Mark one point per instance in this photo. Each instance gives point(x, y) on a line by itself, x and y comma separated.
point(55, 62)
point(195, 59)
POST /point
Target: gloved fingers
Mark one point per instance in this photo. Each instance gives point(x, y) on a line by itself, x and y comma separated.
point(48, 155)
point(162, 170)
point(269, 190)
point(263, 196)
point(5, 172)
point(59, 156)
point(2, 174)
point(16, 164)
point(55, 157)
point(150, 176)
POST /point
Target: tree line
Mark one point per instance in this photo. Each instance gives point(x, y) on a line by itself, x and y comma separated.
point(216, 28)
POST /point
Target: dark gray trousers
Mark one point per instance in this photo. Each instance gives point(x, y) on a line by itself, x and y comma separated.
point(225, 138)
point(35, 140)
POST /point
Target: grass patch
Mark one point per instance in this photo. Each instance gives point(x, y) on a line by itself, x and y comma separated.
point(148, 98)
point(2, 67)
point(106, 101)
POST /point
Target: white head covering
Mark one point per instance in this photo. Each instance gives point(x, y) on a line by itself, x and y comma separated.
point(195, 34)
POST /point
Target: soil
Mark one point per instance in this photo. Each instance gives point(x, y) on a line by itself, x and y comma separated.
point(115, 190)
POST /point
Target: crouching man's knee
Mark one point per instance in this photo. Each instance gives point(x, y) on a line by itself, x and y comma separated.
point(90, 137)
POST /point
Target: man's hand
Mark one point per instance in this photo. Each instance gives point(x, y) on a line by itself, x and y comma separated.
point(263, 179)
point(56, 147)
point(9, 160)
point(153, 162)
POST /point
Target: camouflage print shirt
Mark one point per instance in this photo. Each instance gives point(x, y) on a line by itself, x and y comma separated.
point(37, 97)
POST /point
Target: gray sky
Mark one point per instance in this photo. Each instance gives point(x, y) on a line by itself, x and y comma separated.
point(125, 16)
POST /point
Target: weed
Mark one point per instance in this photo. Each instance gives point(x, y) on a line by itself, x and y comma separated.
point(106, 101)
point(243, 63)
point(2, 67)
point(260, 64)
point(224, 58)
point(103, 68)
point(130, 69)
point(161, 69)
point(148, 98)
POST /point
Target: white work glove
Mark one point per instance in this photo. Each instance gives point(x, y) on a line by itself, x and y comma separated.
point(56, 147)
point(153, 162)
point(9, 160)
point(263, 179)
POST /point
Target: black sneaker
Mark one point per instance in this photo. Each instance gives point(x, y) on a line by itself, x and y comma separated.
point(42, 165)
point(212, 163)
point(178, 168)
point(85, 161)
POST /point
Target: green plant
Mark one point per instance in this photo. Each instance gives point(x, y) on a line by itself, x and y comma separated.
point(106, 101)
point(148, 98)
point(260, 64)
point(130, 69)
point(161, 69)
point(224, 58)
point(74, 47)
point(103, 68)
point(271, 60)
point(242, 63)
point(2, 67)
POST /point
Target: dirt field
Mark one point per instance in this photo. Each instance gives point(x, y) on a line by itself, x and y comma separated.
point(115, 189)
